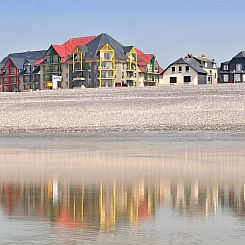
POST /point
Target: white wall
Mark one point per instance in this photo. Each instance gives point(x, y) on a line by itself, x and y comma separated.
point(180, 75)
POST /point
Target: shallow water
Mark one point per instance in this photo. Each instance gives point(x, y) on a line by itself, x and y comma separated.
point(155, 188)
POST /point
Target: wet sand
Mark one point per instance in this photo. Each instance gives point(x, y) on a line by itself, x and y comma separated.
point(185, 155)
point(209, 107)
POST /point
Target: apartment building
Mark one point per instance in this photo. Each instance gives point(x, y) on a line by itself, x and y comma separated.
point(20, 72)
point(233, 71)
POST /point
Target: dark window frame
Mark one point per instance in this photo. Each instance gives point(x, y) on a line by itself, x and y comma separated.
point(188, 80)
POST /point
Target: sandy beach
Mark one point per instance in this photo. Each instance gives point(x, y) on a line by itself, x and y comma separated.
point(209, 107)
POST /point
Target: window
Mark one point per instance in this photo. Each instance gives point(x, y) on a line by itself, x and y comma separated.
point(173, 80)
point(226, 67)
point(107, 56)
point(173, 69)
point(214, 66)
point(226, 78)
point(205, 64)
point(237, 78)
point(187, 79)
point(238, 67)
point(180, 69)
point(187, 68)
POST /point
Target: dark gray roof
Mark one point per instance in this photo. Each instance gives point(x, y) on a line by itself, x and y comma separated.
point(99, 42)
point(32, 62)
point(195, 65)
point(240, 55)
point(127, 49)
point(226, 62)
point(191, 62)
point(29, 55)
point(180, 61)
point(84, 48)
point(19, 62)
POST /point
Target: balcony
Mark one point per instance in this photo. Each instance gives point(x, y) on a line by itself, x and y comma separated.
point(132, 69)
point(78, 78)
point(106, 68)
point(131, 78)
point(108, 78)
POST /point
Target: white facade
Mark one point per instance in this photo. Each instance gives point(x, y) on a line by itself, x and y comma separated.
point(182, 73)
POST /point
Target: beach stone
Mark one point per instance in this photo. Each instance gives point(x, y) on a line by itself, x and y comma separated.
point(186, 107)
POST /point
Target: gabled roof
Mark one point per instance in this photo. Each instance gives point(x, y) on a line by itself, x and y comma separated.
point(18, 62)
point(143, 59)
point(29, 55)
point(83, 48)
point(226, 62)
point(31, 61)
point(127, 49)
point(99, 42)
point(66, 49)
point(240, 55)
point(191, 62)
point(180, 61)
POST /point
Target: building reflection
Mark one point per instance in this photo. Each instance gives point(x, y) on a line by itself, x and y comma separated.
point(102, 206)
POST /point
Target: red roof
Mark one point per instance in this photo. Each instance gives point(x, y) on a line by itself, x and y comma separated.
point(161, 70)
point(40, 61)
point(143, 59)
point(67, 48)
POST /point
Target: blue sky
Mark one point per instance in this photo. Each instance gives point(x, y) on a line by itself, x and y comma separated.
point(170, 29)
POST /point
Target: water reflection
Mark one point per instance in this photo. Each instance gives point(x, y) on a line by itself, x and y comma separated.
point(110, 191)
point(101, 206)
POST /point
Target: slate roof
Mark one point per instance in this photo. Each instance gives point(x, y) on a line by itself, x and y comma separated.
point(33, 55)
point(240, 55)
point(99, 42)
point(180, 61)
point(18, 62)
point(191, 62)
point(20, 58)
point(127, 49)
point(226, 62)
point(195, 65)
point(66, 49)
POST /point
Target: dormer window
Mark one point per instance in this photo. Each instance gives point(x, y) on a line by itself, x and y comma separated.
point(205, 64)
point(180, 69)
point(238, 67)
point(226, 67)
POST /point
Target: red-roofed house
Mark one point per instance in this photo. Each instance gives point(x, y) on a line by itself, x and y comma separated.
point(150, 72)
point(54, 63)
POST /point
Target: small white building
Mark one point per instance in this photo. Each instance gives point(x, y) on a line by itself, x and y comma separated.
point(185, 71)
